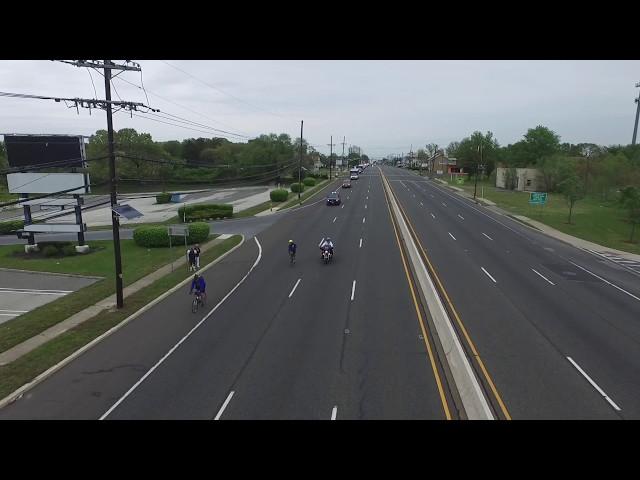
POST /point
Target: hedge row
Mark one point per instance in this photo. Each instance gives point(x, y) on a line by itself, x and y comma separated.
point(279, 195)
point(152, 237)
point(205, 211)
point(10, 226)
point(164, 197)
point(297, 187)
point(309, 182)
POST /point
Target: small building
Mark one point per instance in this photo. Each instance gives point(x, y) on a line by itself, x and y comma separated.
point(440, 164)
point(521, 179)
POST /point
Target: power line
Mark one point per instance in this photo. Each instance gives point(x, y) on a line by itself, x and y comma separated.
point(221, 91)
point(179, 105)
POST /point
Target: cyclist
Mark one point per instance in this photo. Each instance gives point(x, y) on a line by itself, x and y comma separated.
point(292, 250)
point(326, 243)
point(200, 286)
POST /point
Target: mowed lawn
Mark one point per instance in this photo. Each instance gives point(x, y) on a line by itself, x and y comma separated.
point(604, 223)
point(136, 263)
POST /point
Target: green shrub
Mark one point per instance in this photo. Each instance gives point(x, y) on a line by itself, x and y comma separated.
point(198, 232)
point(10, 226)
point(205, 211)
point(297, 187)
point(155, 237)
point(164, 197)
point(279, 195)
point(68, 250)
point(50, 251)
point(309, 182)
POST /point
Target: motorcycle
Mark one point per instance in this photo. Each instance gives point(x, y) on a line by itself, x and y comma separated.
point(326, 255)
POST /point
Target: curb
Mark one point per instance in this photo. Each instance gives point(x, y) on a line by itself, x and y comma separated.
point(17, 394)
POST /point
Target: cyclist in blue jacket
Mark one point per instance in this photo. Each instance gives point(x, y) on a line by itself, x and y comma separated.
point(199, 285)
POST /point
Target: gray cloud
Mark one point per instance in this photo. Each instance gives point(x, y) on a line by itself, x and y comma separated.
point(382, 106)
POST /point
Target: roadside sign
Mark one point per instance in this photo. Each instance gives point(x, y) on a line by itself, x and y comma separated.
point(460, 180)
point(537, 198)
point(127, 212)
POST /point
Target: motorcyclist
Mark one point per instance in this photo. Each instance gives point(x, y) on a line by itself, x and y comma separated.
point(326, 243)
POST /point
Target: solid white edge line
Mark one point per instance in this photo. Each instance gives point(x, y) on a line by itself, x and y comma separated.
point(14, 311)
point(11, 314)
point(489, 275)
point(605, 281)
point(294, 288)
point(451, 235)
point(487, 236)
point(334, 412)
point(353, 290)
point(539, 274)
point(151, 370)
point(224, 405)
point(32, 293)
point(594, 384)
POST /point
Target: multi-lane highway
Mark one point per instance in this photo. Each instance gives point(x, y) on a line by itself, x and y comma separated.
point(550, 331)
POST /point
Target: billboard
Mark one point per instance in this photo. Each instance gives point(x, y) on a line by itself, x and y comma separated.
point(44, 150)
point(33, 182)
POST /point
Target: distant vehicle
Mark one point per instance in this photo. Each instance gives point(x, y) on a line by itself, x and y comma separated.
point(354, 176)
point(333, 198)
point(346, 184)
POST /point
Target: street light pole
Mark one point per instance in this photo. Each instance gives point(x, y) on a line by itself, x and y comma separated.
point(300, 162)
point(475, 189)
point(635, 128)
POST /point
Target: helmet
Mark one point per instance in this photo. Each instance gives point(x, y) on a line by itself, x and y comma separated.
point(328, 239)
point(290, 241)
point(196, 276)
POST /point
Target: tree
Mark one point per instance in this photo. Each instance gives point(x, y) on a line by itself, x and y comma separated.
point(630, 200)
point(432, 149)
point(573, 190)
point(553, 171)
point(541, 142)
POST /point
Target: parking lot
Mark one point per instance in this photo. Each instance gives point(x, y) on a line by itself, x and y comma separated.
point(22, 291)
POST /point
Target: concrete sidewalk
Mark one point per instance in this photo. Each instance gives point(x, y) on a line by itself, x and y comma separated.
point(27, 346)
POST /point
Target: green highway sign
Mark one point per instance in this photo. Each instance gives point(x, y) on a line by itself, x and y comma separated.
point(538, 198)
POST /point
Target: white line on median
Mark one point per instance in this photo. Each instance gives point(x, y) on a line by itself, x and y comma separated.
point(152, 369)
point(224, 405)
point(487, 236)
point(294, 288)
point(461, 216)
point(334, 412)
point(606, 281)
point(489, 275)
point(451, 235)
point(353, 290)
point(594, 384)
point(360, 244)
point(538, 273)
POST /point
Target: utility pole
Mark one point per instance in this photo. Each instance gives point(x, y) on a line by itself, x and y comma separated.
point(343, 143)
point(475, 189)
point(635, 128)
point(300, 163)
point(330, 156)
point(107, 104)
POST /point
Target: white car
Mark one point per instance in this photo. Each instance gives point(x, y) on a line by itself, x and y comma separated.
point(354, 176)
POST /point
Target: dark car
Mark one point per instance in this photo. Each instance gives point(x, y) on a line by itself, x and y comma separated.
point(333, 198)
point(346, 184)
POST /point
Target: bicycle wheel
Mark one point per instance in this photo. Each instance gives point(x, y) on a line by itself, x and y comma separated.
point(194, 305)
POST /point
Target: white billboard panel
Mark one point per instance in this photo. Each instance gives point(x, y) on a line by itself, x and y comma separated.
point(41, 182)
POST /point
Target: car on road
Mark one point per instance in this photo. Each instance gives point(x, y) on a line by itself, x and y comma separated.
point(333, 198)
point(346, 184)
point(354, 176)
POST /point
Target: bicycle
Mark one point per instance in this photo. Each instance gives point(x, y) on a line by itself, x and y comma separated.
point(197, 301)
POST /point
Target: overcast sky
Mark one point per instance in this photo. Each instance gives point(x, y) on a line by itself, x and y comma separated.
point(384, 107)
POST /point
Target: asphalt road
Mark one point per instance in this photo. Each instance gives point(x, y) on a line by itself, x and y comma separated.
point(530, 304)
point(303, 341)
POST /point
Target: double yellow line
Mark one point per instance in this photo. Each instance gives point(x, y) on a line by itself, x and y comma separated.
point(452, 309)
